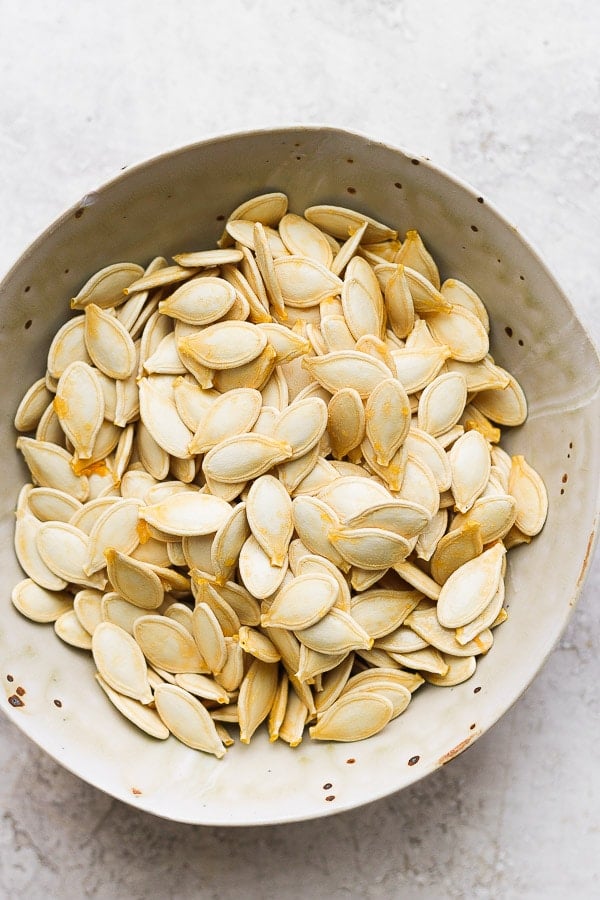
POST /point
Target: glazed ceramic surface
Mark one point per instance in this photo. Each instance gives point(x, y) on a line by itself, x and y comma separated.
point(177, 202)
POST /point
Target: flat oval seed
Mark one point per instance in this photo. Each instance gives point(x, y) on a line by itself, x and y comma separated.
point(187, 513)
point(403, 517)
point(159, 415)
point(200, 301)
point(494, 514)
point(314, 521)
point(470, 464)
point(50, 504)
point(79, 405)
point(166, 644)
point(202, 686)
point(529, 491)
point(459, 669)
point(233, 413)
point(381, 611)
point(32, 406)
point(209, 637)
point(39, 604)
point(363, 309)
point(244, 457)
point(116, 527)
point(347, 368)
point(301, 425)
point(50, 466)
point(415, 369)
point(187, 719)
point(413, 253)
point(304, 282)
point(105, 288)
point(118, 611)
point(303, 239)
point(226, 344)
point(269, 514)
point(370, 548)
point(88, 607)
point(351, 495)
point(228, 541)
point(257, 574)
point(345, 421)
point(120, 662)
point(258, 645)
point(336, 632)
point(145, 719)
point(341, 222)
point(402, 640)
point(69, 629)
point(134, 581)
point(387, 418)
point(505, 407)
point(257, 694)
point(302, 603)
point(64, 549)
point(462, 332)
point(108, 343)
point(27, 530)
point(470, 588)
point(354, 717)
point(442, 403)
point(68, 345)
point(399, 304)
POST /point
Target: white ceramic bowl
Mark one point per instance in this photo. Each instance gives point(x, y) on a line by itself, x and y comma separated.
point(176, 202)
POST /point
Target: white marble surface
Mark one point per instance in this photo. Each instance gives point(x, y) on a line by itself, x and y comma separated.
point(507, 96)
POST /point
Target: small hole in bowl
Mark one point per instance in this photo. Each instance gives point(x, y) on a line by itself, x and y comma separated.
point(520, 343)
point(474, 228)
point(330, 797)
point(57, 703)
point(351, 190)
point(509, 331)
point(327, 786)
point(28, 324)
point(480, 199)
point(415, 162)
point(351, 761)
point(476, 690)
point(349, 160)
point(413, 760)
point(220, 218)
point(79, 213)
point(27, 288)
point(398, 185)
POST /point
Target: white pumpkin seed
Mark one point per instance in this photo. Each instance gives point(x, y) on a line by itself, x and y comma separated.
point(166, 644)
point(529, 491)
point(470, 588)
point(38, 603)
point(105, 288)
point(187, 719)
point(120, 662)
point(353, 717)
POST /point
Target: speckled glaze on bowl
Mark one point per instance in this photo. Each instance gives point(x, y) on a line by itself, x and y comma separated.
point(177, 202)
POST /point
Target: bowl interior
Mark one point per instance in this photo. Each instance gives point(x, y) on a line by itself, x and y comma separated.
point(177, 202)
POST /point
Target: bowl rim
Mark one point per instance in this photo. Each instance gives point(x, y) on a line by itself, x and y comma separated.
point(88, 199)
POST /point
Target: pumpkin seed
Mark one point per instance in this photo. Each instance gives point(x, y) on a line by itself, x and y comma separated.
point(120, 662)
point(146, 719)
point(529, 491)
point(353, 717)
point(187, 719)
point(38, 603)
point(168, 645)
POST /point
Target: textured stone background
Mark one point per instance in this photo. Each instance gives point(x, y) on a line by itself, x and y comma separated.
point(508, 97)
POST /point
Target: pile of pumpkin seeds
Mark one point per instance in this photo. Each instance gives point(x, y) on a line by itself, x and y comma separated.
point(267, 483)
